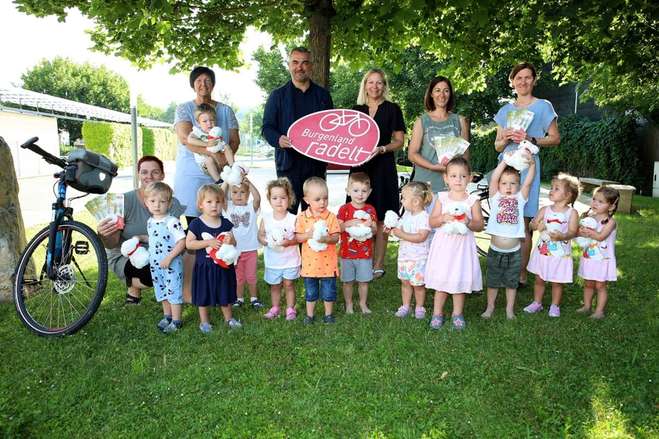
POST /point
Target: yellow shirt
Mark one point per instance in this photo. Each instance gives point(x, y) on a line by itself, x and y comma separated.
point(318, 264)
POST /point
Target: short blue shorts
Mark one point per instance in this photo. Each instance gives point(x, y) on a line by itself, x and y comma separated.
point(275, 276)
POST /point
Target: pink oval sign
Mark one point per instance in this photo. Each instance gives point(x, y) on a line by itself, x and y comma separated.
point(343, 137)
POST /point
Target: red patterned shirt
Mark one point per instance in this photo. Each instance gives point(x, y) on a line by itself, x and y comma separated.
point(352, 248)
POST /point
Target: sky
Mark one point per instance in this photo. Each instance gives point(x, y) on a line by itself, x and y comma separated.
point(39, 38)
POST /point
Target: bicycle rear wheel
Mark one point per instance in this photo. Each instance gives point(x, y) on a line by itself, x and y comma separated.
point(482, 238)
point(65, 304)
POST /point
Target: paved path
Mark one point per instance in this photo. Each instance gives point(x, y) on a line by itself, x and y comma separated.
point(36, 194)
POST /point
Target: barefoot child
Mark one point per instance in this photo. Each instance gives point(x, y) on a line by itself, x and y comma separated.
point(202, 137)
point(597, 265)
point(551, 258)
point(319, 268)
point(356, 254)
point(281, 251)
point(506, 225)
point(166, 244)
point(453, 268)
point(212, 285)
point(413, 232)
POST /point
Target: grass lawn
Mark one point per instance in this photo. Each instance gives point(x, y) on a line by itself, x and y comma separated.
point(372, 377)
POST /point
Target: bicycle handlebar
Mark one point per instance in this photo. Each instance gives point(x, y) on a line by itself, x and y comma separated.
point(48, 157)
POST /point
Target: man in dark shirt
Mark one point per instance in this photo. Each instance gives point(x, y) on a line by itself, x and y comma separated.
point(297, 98)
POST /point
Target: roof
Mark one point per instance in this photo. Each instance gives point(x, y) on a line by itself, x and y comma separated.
point(43, 104)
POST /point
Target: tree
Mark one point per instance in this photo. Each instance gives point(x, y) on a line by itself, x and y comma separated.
point(271, 72)
point(608, 44)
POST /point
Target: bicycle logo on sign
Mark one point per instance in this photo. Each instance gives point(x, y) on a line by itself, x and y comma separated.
point(356, 123)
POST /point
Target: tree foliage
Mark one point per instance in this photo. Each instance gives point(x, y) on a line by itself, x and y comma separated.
point(611, 45)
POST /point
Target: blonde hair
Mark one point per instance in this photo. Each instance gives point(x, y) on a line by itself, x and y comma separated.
point(359, 177)
point(282, 183)
point(362, 98)
point(420, 190)
point(209, 189)
point(205, 108)
point(159, 188)
point(570, 184)
point(314, 181)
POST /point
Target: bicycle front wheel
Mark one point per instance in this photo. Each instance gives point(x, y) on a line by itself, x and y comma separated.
point(64, 304)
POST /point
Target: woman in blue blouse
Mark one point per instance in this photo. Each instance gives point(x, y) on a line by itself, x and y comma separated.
point(542, 131)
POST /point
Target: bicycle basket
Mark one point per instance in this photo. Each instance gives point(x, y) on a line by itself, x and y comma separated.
point(93, 172)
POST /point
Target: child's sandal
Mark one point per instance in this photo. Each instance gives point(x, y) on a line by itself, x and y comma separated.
point(132, 300)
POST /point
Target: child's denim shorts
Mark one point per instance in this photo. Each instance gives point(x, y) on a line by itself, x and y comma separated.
point(317, 287)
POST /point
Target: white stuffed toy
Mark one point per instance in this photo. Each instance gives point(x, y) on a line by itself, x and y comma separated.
point(391, 219)
point(459, 213)
point(226, 255)
point(276, 239)
point(233, 175)
point(589, 223)
point(516, 158)
point(320, 231)
point(133, 250)
point(360, 232)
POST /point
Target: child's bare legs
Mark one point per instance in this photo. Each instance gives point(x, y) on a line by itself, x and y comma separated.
point(538, 290)
point(275, 295)
point(173, 310)
point(420, 295)
point(226, 312)
point(347, 296)
point(438, 303)
point(289, 287)
point(588, 292)
point(556, 293)
point(511, 294)
point(602, 298)
point(363, 297)
point(203, 315)
point(329, 307)
point(212, 168)
point(458, 304)
point(406, 292)
point(311, 306)
point(491, 301)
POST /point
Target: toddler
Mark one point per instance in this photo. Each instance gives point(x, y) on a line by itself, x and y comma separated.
point(212, 284)
point(357, 254)
point(453, 268)
point(242, 215)
point(319, 268)
point(597, 264)
point(281, 252)
point(551, 258)
point(166, 243)
point(413, 232)
point(506, 225)
point(203, 137)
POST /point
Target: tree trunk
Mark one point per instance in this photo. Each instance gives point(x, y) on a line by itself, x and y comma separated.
point(12, 233)
point(320, 14)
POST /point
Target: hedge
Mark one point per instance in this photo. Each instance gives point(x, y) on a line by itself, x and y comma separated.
point(114, 140)
point(605, 149)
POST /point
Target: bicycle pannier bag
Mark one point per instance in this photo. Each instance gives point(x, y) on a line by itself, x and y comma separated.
point(93, 173)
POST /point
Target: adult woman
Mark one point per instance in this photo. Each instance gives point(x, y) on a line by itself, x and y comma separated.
point(381, 169)
point(542, 130)
point(438, 121)
point(189, 177)
point(149, 169)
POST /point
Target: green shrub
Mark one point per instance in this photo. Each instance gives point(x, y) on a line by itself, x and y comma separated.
point(600, 149)
point(148, 145)
point(112, 140)
point(164, 141)
point(97, 136)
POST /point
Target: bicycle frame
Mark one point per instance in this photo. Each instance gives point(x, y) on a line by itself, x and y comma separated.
point(60, 212)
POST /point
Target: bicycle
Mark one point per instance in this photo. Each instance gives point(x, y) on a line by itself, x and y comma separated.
point(331, 121)
point(483, 191)
point(61, 275)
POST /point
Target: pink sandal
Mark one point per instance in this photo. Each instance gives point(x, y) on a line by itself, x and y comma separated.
point(291, 314)
point(272, 313)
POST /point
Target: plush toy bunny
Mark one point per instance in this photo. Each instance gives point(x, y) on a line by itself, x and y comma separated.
point(233, 174)
point(590, 223)
point(225, 255)
point(391, 219)
point(133, 250)
point(320, 231)
point(456, 227)
point(516, 158)
point(360, 232)
point(276, 238)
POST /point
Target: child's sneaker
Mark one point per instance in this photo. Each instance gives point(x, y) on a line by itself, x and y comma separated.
point(554, 311)
point(402, 312)
point(256, 303)
point(234, 324)
point(272, 313)
point(238, 303)
point(291, 314)
point(458, 323)
point(162, 324)
point(309, 320)
point(533, 308)
point(172, 327)
point(206, 328)
point(419, 313)
point(436, 322)
point(329, 318)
